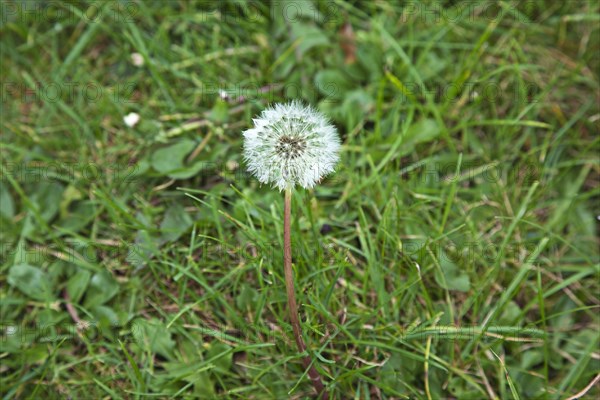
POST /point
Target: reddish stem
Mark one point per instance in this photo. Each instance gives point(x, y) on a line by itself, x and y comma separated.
point(313, 374)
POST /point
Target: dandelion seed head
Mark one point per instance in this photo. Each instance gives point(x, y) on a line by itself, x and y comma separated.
point(291, 144)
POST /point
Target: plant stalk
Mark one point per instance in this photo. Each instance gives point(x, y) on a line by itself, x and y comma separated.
point(313, 374)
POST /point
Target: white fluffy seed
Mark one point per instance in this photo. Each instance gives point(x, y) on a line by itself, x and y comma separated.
point(291, 144)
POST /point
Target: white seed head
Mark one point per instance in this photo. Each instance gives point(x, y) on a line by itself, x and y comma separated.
point(137, 59)
point(131, 119)
point(291, 144)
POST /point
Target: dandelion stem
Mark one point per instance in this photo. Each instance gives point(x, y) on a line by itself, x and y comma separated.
point(289, 286)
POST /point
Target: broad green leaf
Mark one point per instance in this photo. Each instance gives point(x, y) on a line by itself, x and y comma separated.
point(175, 223)
point(146, 246)
point(247, 297)
point(510, 314)
point(370, 58)
point(170, 160)
point(204, 387)
point(356, 104)
point(50, 318)
point(70, 195)
point(106, 317)
point(220, 111)
point(332, 83)
point(220, 355)
point(453, 278)
point(32, 281)
point(154, 336)
point(77, 284)
point(80, 215)
point(102, 288)
point(309, 36)
point(7, 206)
point(531, 358)
point(423, 131)
point(47, 198)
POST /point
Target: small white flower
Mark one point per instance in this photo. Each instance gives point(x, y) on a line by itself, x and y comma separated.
point(291, 144)
point(137, 59)
point(223, 94)
point(131, 119)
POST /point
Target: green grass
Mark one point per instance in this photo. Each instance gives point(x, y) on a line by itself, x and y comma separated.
point(454, 253)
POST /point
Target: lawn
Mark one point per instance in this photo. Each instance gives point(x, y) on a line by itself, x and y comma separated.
point(453, 254)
